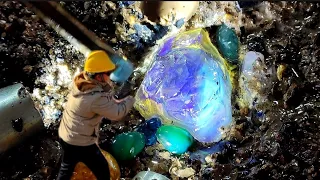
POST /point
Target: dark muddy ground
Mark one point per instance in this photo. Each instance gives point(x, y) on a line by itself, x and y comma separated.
point(283, 146)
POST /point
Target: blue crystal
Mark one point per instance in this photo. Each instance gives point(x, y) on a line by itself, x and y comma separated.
point(153, 124)
point(144, 32)
point(188, 86)
point(149, 129)
point(260, 114)
point(125, 3)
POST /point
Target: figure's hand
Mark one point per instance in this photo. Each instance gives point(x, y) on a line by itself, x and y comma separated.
point(124, 90)
point(130, 98)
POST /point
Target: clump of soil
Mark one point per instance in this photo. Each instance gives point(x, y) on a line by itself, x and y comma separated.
point(24, 42)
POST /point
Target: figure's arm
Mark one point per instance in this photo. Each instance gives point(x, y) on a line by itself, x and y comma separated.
point(111, 108)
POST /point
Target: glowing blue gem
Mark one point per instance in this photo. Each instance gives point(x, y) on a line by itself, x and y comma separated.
point(188, 85)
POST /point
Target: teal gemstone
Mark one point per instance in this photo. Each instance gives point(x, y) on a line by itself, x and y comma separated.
point(228, 43)
point(127, 146)
point(174, 139)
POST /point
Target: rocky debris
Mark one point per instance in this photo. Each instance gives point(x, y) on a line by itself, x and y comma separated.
point(58, 71)
point(24, 41)
point(36, 159)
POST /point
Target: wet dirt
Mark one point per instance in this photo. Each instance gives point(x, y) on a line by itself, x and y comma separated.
point(283, 144)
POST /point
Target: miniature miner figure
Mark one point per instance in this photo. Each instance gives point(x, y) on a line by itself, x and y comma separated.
point(91, 98)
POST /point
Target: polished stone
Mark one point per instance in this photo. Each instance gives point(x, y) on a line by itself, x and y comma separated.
point(82, 172)
point(228, 43)
point(127, 146)
point(174, 139)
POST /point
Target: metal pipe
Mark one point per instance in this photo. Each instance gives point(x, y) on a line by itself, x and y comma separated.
point(18, 117)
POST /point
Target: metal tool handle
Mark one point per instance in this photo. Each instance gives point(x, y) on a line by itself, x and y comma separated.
point(66, 25)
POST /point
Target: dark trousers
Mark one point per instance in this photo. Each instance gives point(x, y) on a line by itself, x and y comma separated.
point(91, 156)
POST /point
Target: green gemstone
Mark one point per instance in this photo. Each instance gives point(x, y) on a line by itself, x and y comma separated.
point(174, 139)
point(127, 146)
point(228, 43)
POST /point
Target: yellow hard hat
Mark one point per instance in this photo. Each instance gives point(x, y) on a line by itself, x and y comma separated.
point(98, 61)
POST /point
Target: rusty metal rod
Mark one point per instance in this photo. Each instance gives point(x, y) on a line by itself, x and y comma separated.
point(69, 27)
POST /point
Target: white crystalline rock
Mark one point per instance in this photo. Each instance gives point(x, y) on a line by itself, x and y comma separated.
point(60, 60)
point(255, 79)
point(215, 13)
point(36, 94)
point(165, 155)
point(64, 75)
point(52, 112)
point(58, 73)
point(178, 169)
point(185, 173)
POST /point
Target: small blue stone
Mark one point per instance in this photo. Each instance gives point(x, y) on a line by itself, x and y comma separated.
point(149, 129)
point(125, 3)
point(179, 23)
point(160, 31)
point(141, 127)
point(150, 136)
point(260, 114)
point(140, 15)
point(143, 32)
point(154, 124)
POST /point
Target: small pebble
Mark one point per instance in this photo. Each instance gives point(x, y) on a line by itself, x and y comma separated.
point(179, 23)
point(280, 71)
point(165, 155)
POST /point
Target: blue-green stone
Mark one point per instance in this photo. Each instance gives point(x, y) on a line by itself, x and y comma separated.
point(174, 139)
point(127, 146)
point(228, 43)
